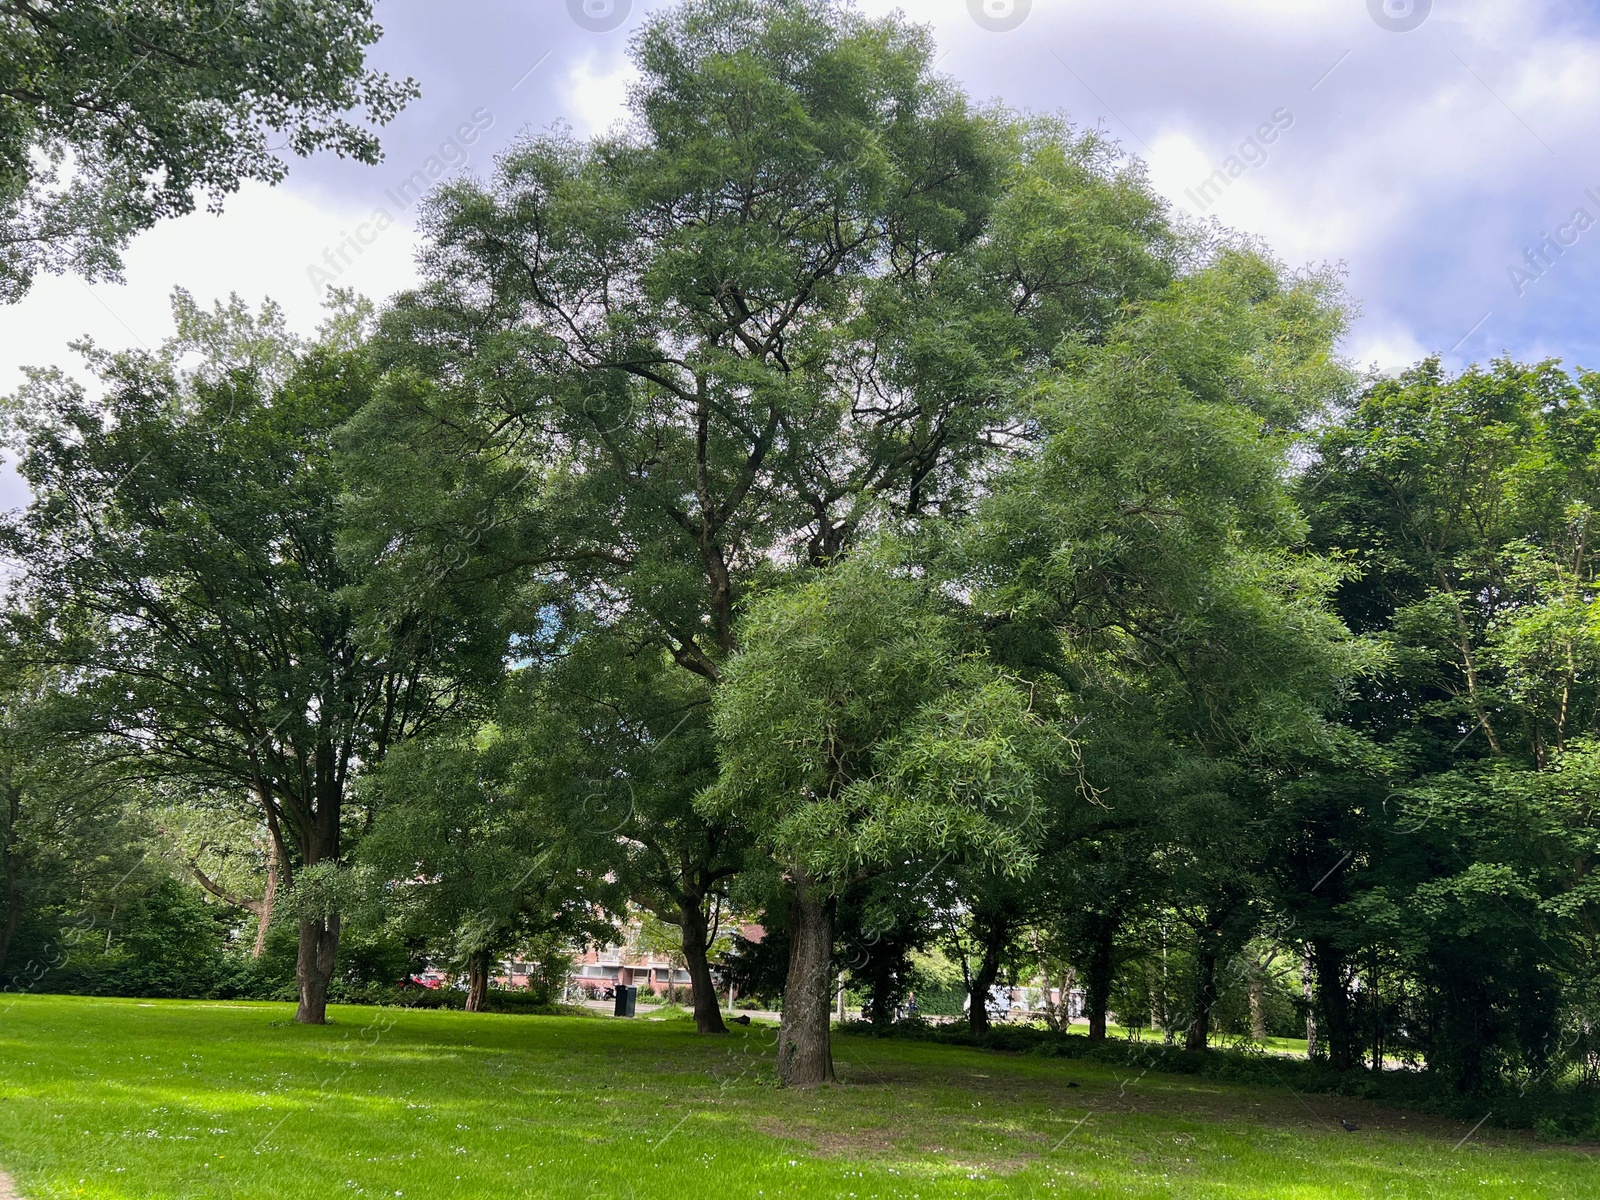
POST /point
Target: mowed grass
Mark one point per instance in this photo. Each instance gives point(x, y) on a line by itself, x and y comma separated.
point(134, 1099)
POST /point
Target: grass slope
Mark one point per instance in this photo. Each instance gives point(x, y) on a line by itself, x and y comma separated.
point(134, 1099)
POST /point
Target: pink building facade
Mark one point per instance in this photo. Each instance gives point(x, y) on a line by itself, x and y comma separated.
point(603, 967)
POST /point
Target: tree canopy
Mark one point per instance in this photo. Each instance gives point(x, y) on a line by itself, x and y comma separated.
point(113, 116)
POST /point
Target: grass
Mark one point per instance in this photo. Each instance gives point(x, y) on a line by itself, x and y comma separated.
point(139, 1099)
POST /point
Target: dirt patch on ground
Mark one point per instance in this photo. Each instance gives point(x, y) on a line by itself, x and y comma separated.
point(890, 1140)
point(829, 1141)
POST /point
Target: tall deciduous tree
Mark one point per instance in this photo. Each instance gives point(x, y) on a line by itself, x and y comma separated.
point(464, 862)
point(1469, 502)
point(617, 740)
point(181, 560)
point(859, 726)
point(69, 833)
point(804, 287)
point(1148, 559)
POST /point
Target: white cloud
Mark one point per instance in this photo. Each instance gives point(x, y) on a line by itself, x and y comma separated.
point(261, 246)
point(264, 244)
point(1388, 348)
point(594, 92)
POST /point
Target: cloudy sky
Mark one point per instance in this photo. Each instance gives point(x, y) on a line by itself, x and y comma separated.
point(1426, 147)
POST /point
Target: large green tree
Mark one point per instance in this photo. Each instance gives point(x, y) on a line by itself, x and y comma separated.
point(181, 561)
point(115, 115)
point(617, 741)
point(1467, 501)
point(803, 291)
point(461, 861)
point(1148, 559)
point(69, 832)
point(861, 726)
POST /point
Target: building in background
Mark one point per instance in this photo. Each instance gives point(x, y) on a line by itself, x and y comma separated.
point(603, 967)
point(629, 963)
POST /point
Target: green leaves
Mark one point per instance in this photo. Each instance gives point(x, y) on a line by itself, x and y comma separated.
point(1153, 530)
point(803, 290)
point(858, 727)
point(154, 103)
point(1466, 500)
point(321, 891)
point(464, 856)
point(184, 563)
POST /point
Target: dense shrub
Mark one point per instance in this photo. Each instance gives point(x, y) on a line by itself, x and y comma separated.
point(164, 941)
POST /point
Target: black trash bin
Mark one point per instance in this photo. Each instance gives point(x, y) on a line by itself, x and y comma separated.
point(627, 1000)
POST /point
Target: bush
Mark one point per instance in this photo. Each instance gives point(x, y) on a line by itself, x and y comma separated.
point(245, 978)
point(164, 942)
point(946, 1001)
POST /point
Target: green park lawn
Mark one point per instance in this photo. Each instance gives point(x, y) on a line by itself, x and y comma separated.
point(139, 1099)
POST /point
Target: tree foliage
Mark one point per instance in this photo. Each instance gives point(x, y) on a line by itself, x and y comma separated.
point(182, 561)
point(113, 116)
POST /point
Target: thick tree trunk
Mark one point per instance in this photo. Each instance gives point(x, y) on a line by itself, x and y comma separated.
point(707, 1016)
point(1333, 1006)
point(1258, 1008)
point(1097, 979)
point(313, 969)
point(317, 833)
point(983, 980)
point(477, 981)
point(1205, 995)
point(805, 1053)
point(994, 933)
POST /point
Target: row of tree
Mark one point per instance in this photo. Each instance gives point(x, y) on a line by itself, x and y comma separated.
point(831, 498)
